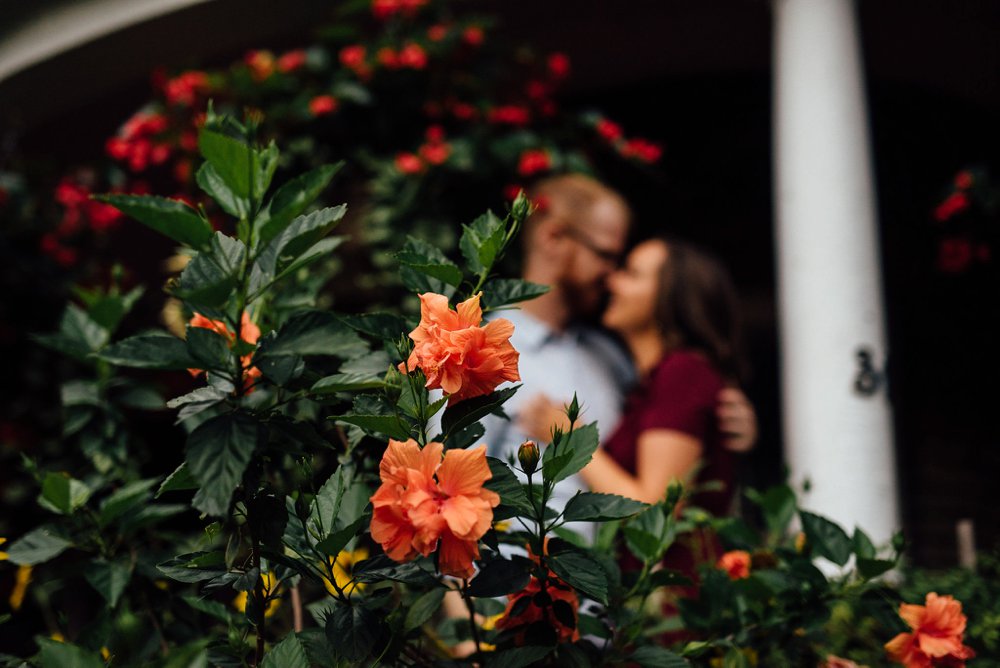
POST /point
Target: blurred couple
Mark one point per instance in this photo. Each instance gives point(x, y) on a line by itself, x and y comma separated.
point(669, 406)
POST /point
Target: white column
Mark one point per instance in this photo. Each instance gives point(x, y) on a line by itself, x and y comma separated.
point(830, 287)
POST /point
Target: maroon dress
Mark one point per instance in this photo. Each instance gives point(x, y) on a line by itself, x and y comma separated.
point(680, 394)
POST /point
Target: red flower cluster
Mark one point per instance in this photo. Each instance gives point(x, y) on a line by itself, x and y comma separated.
point(427, 503)
point(79, 213)
point(473, 36)
point(609, 130)
point(412, 56)
point(137, 142)
point(385, 9)
point(510, 114)
point(353, 57)
point(435, 150)
point(185, 89)
point(936, 639)
point(322, 105)
point(456, 354)
point(261, 64)
point(291, 61)
point(534, 161)
point(641, 149)
point(559, 65)
point(953, 205)
point(408, 163)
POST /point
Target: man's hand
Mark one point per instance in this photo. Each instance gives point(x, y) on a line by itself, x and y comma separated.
point(539, 415)
point(737, 420)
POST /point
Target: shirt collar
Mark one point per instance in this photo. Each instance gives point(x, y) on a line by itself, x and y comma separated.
point(535, 334)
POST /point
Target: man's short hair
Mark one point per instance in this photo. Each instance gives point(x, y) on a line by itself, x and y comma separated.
point(571, 198)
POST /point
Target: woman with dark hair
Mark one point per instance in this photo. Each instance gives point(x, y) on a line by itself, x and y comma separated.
point(674, 307)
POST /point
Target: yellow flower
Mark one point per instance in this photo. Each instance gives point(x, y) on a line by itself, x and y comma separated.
point(488, 625)
point(21, 581)
point(105, 653)
point(58, 637)
point(343, 568)
point(503, 526)
point(3, 555)
point(270, 588)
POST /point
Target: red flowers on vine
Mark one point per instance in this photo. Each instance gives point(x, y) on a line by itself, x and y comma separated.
point(322, 105)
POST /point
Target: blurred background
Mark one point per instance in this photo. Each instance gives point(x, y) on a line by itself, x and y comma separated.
point(669, 101)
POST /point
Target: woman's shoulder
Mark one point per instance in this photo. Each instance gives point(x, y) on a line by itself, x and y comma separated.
point(689, 367)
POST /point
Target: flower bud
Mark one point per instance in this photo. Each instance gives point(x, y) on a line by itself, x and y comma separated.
point(521, 207)
point(527, 455)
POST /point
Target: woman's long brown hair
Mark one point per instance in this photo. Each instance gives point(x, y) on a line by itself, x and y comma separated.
point(697, 307)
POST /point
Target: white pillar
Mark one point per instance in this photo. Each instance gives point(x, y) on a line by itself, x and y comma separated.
point(830, 287)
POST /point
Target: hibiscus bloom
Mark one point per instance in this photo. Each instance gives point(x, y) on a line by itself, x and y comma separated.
point(557, 608)
point(427, 503)
point(249, 333)
point(736, 564)
point(936, 640)
point(456, 354)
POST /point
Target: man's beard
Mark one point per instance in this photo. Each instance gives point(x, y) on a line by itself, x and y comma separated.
point(586, 303)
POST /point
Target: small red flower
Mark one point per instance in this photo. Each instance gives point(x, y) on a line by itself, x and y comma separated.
point(408, 163)
point(184, 89)
point(473, 36)
point(559, 65)
point(964, 180)
point(383, 9)
point(387, 58)
point(413, 56)
point(291, 61)
point(463, 111)
point(609, 130)
point(642, 149)
point(182, 171)
point(435, 153)
point(434, 134)
point(323, 104)
point(437, 32)
point(511, 191)
point(736, 564)
point(159, 153)
point(536, 90)
point(953, 205)
point(352, 56)
point(510, 114)
point(534, 161)
point(261, 64)
point(189, 140)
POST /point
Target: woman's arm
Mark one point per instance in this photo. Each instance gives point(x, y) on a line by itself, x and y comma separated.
point(662, 456)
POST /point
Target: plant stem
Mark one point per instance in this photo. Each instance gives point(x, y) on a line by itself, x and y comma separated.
point(472, 616)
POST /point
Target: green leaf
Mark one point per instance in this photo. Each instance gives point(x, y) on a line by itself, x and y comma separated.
point(210, 279)
point(292, 199)
point(778, 504)
point(578, 569)
point(499, 578)
point(317, 251)
point(862, 544)
point(826, 538)
point(152, 350)
point(574, 452)
point(389, 425)
point(194, 567)
point(236, 162)
point(288, 653)
point(212, 183)
point(37, 546)
point(209, 348)
point(78, 336)
point(668, 578)
point(313, 333)
point(464, 413)
point(124, 500)
point(109, 579)
point(518, 657)
point(644, 534)
point(387, 326)
point(346, 382)
point(482, 241)
point(180, 479)
point(218, 452)
point(169, 217)
point(652, 656)
point(427, 259)
point(423, 609)
point(506, 484)
point(593, 507)
point(872, 568)
point(56, 654)
point(503, 291)
point(352, 631)
point(107, 310)
point(298, 237)
point(63, 494)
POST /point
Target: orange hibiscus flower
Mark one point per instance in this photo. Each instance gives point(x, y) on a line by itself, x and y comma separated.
point(456, 354)
point(427, 503)
point(249, 333)
point(558, 610)
point(936, 640)
point(736, 564)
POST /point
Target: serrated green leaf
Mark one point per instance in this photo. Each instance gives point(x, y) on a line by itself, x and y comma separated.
point(862, 544)
point(288, 653)
point(462, 414)
point(503, 291)
point(124, 500)
point(499, 578)
point(212, 183)
point(37, 546)
point(194, 567)
point(826, 538)
point(518, 657)
point(56, 654)
point(651, 656)
point(292, 199)
point(210, 279)
point(152, 350)
point(578, 569)
point(180, 479)
point(389, 425)
point(593, 507)
point(872, 568)
point(298, 237)
point(235, 161)
point(169, 217)
point(346, 382)
point(64, 494)
point(573, 453)
point(506, 484)
point(423, 609)
point(352, 631)
point(209, 348)
point(109, 579)
point(312, 333)
point(482, 241)
point(218, 452)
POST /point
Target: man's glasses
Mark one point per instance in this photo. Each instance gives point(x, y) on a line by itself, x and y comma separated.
point(613, 257)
